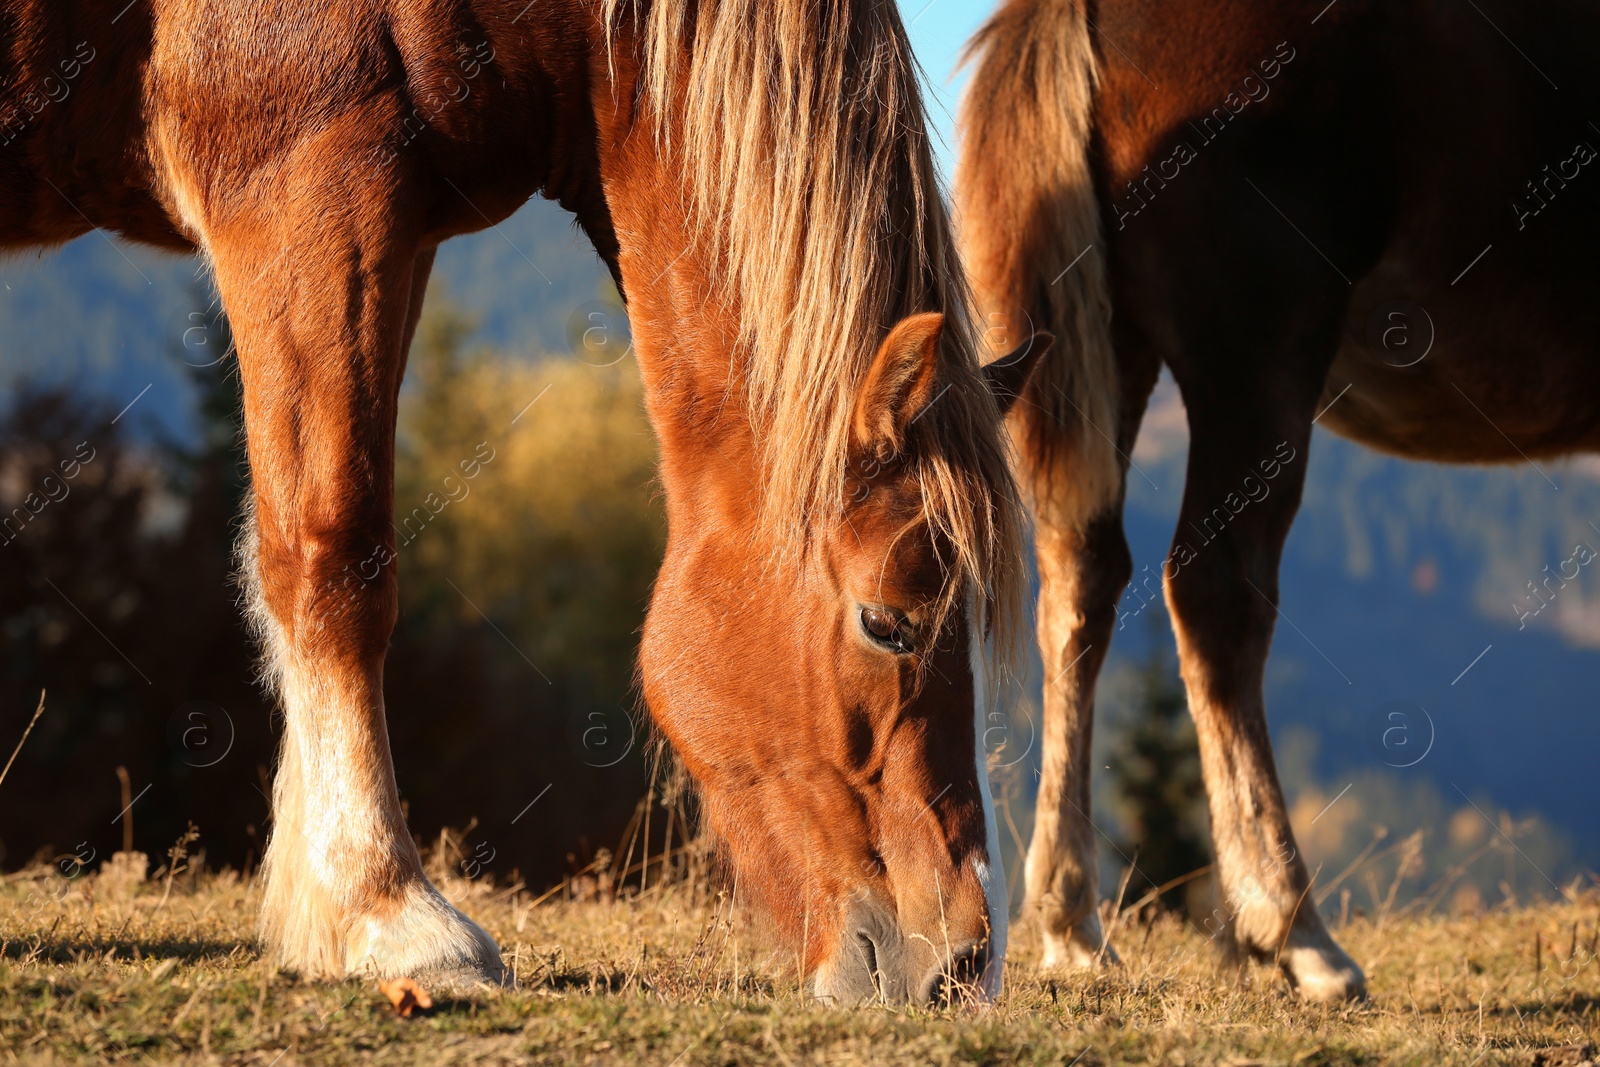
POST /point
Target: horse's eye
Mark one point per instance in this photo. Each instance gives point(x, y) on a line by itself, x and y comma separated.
point(888, 630)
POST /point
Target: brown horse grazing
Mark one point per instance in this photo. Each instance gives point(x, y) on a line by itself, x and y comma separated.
point(1265, 196)
point(843, 525)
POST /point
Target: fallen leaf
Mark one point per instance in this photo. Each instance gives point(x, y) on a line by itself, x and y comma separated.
point(407, 996)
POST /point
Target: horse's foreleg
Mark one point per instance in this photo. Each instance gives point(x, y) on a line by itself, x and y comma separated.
point(322, 294)
point(1247, 463)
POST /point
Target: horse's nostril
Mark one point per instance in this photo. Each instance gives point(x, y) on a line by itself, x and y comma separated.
point(869, 954)
point(958, 980)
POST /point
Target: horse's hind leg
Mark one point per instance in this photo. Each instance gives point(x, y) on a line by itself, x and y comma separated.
point(1249, 439)
point(322, 293)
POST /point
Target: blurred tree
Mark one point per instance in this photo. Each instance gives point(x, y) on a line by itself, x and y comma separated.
point(527, 537)
point(115, 597)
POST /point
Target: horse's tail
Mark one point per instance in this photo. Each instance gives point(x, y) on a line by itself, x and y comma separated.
point(1031, 231)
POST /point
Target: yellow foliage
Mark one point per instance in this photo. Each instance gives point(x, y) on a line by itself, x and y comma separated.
point(527, 486)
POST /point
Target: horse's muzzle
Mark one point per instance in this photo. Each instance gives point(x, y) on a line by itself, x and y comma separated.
point(876, 961)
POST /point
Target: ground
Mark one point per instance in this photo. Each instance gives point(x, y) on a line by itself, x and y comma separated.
point(107, 968)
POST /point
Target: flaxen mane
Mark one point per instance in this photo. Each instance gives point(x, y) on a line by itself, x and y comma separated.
point(1025, 156)
point(807, 161)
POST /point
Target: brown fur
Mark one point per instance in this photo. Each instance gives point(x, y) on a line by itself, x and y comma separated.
point(1029, 212)
point(1032, 239)
point(819, 174)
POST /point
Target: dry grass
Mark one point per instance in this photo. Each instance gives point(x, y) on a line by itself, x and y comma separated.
point(165, 971)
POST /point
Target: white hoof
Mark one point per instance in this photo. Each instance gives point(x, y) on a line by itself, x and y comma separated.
point(1323, 974)
point(426, 939)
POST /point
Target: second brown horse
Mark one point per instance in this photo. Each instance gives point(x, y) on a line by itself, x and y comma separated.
point(1257, 194)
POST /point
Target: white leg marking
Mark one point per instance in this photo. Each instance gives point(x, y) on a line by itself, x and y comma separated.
point(344, 889)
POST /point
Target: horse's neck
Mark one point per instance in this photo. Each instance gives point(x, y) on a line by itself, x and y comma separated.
point(685, 339)
point(683, 312)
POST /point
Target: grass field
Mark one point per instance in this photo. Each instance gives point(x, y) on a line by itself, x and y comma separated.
point(96, 970)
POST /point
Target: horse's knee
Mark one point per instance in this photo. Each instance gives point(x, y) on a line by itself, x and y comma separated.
point(1083, 574)
point(334, 589)
point(1109, 562)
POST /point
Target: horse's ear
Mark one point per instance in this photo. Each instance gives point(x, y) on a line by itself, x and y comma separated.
point(1008, 376)
point(900, 383)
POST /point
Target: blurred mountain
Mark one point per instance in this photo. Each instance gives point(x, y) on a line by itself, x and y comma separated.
point(527, 535)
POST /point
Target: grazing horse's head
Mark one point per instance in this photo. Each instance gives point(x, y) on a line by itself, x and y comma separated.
point(843, 529)
point(830, 704)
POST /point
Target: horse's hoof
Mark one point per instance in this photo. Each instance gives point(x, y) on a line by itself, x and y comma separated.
point(1082, 947)
point(1323, 974)
point(426, 940)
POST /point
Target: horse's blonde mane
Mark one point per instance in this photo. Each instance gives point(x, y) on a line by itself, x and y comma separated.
point(799, 126)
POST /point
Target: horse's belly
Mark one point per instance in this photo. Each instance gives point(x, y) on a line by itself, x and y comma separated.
point(1429, 371)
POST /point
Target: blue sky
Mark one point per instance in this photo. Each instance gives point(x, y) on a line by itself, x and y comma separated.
point(939, 29)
